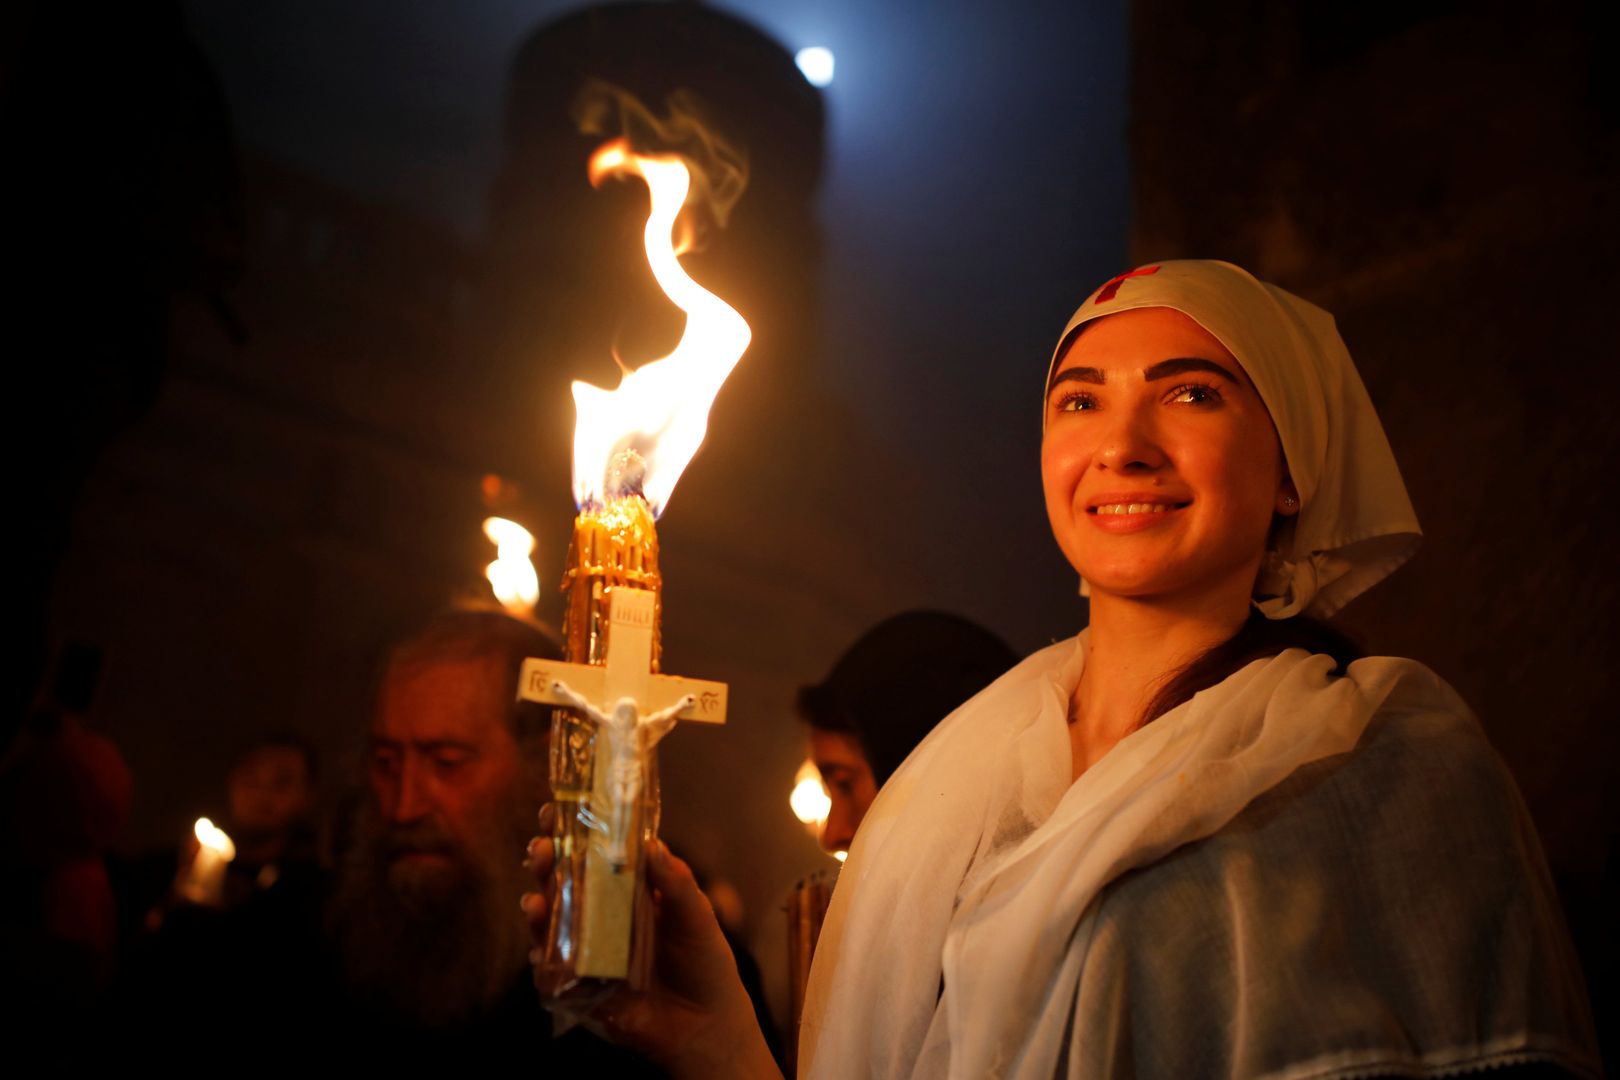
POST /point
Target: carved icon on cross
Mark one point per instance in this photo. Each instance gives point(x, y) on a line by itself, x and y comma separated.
point(613, 695)
point(630, 735)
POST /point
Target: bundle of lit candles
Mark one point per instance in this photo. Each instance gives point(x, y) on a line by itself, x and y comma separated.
point(630, 446)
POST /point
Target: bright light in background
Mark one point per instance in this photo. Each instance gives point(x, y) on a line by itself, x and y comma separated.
point(213, 838)
point(817, 64)
point(809, 799)
point(202, 880)
point(512, 575)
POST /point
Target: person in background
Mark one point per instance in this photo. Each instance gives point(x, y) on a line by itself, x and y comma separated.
point(270, 817)
point(246, 947)
point(271, 798)
point(882, 697)
point(431, 946)
point(65, 793)
point(425, 913)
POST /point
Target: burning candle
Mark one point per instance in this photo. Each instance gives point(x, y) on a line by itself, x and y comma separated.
point(203, 882)
point(512, 575)
point(630, 446)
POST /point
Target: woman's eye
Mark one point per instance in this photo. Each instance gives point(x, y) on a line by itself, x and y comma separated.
point(1195, 394)
point(1075, 402)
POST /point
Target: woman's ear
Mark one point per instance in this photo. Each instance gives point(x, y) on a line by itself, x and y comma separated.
point(1287, 497)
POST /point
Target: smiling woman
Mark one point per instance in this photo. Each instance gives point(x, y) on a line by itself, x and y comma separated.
point(1198, 839)
point(1187, 842)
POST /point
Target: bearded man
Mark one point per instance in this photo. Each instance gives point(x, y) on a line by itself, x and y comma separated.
point(426, 914)
point(432, 943)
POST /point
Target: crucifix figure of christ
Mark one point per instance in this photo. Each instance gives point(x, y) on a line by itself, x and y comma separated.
point(631, 707)
point(629, 736)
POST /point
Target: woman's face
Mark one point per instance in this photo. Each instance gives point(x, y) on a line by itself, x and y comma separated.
point(1161, 467)
point(850, 785)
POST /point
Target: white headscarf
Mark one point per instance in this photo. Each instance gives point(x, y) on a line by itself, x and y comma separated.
point(1356, 523)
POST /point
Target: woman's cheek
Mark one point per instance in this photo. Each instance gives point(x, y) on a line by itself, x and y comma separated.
point(1062, 464)
point(1061, 471)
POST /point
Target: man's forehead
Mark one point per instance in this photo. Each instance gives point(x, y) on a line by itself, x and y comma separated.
point(444, 700)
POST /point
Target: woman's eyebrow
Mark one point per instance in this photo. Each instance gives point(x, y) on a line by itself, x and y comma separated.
point(1077, 374)
point(1164, 369)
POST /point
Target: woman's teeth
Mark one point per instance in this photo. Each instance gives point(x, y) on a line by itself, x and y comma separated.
point(1134, 508)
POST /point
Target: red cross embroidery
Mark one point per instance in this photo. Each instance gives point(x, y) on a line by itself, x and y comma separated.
point(1110, 290)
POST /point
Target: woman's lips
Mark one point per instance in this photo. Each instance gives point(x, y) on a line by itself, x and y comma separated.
point(1133, 508)
point(1133, 513)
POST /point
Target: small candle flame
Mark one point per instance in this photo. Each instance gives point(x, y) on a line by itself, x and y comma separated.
point(809, 799)
point(639, 437)
point(512, 574)
point(213, 838)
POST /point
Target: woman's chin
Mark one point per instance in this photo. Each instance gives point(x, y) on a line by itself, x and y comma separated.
point(1184, 593)
point(1118, 590)
point(1128, 583)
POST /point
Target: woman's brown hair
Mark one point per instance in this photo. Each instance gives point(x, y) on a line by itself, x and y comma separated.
point(1258, 638)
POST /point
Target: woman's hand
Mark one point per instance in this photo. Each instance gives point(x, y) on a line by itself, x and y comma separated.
point(695, 1020)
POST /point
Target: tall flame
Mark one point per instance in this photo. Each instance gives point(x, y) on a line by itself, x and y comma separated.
point(660, 411)
point(512, 574)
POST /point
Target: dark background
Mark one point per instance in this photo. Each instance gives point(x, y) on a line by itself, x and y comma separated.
point(297, 276)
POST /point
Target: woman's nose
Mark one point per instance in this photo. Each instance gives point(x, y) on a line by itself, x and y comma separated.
point(838, 831)
point(1130, 444)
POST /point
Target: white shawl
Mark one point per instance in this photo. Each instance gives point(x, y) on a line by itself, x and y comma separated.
point(960, 934)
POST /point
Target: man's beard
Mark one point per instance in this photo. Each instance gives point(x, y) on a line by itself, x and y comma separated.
point(434, 941)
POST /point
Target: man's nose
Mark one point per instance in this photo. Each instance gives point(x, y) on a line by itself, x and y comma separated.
point(1130, 443)
point(411, 801)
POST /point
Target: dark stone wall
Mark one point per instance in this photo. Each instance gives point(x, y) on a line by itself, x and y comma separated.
point(1443, 178)
point(298, 494)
